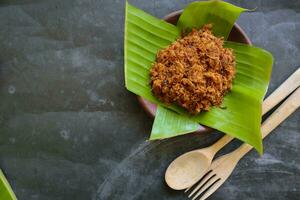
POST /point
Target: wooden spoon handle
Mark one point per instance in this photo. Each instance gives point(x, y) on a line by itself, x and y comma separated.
point(281, 92)
point(278, 95)
point(279, 115)
point(220, 144)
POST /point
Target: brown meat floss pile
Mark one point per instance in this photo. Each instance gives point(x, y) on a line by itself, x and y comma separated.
point(194, 72)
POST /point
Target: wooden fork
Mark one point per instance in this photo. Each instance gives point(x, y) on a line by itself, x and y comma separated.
point(223, 166)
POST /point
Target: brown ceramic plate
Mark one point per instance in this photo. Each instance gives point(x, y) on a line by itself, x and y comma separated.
point(236, 35)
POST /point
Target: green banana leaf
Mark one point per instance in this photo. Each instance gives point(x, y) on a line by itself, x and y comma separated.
point(145, 35)
point(240, 113)
point(5, 189)
point(168, 122)
point(221, 14)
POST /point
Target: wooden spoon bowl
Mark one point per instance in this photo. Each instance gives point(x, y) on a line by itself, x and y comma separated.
point(236, 35)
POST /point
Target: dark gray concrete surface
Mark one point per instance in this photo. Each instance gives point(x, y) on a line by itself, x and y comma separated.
point(70, 130)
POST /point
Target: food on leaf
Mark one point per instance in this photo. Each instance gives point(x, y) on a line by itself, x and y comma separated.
point(145, 35)
point(195, 71)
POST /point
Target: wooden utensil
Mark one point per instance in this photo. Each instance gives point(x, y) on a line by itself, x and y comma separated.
point(188, 168)
point(222, 167)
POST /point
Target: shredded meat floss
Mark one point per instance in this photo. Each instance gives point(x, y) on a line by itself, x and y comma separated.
point(195, 71)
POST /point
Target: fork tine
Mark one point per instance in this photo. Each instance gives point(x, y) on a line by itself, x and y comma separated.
point(211, 190)
point(206, 186)
point(202, 181)
point(201, 184)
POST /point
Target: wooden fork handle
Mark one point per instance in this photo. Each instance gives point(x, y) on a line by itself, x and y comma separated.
point(279, 115)
point(278, 95)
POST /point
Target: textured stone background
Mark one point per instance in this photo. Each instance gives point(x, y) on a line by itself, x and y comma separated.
point(70, 130)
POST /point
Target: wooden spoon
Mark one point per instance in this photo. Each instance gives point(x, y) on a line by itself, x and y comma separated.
point(188, 168)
